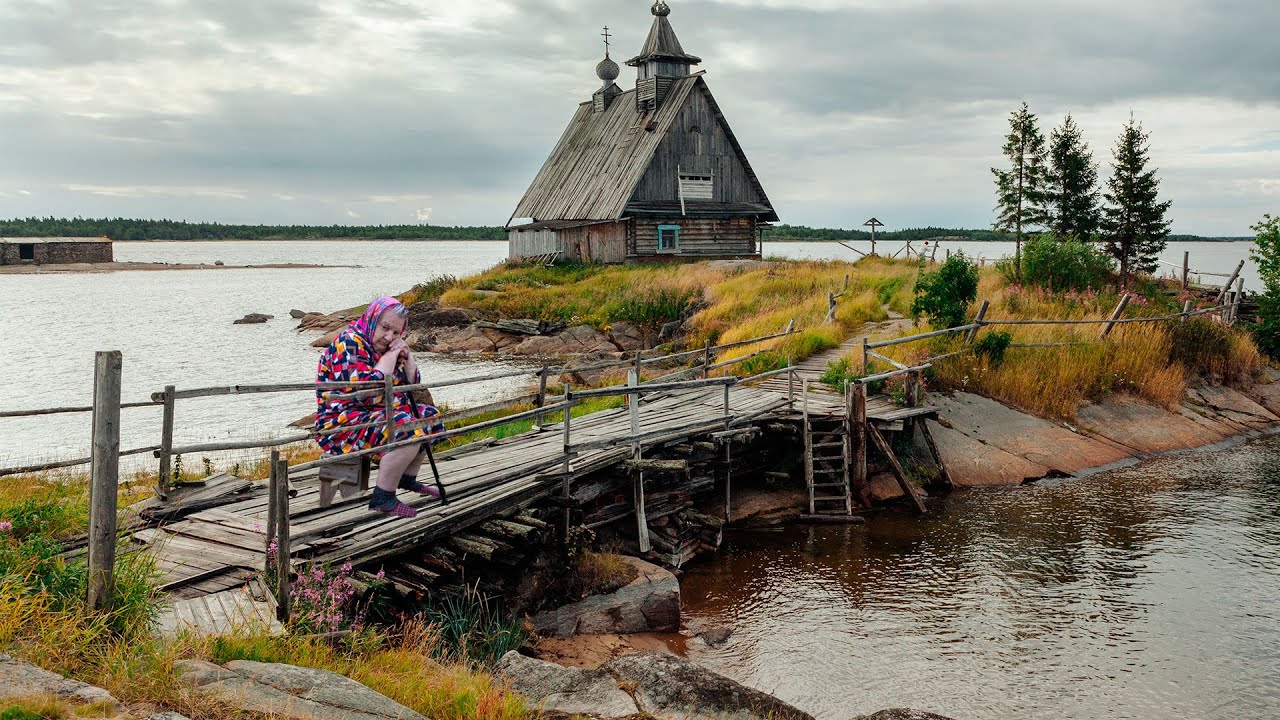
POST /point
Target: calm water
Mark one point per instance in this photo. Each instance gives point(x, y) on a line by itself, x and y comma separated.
point(1149, 592)
point(175, 328)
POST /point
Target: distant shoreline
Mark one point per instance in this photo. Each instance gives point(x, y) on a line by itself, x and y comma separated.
point(945, 241)
point(65, 268)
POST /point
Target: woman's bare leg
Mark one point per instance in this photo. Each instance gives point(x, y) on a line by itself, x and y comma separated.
point(394, 465)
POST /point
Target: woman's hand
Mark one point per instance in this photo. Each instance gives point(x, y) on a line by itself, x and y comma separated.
point(387, 363)
point(410, 364)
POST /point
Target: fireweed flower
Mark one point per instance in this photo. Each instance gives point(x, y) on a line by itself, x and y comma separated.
point(5, 526)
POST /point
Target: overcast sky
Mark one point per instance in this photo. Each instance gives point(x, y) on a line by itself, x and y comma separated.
point(392, 111)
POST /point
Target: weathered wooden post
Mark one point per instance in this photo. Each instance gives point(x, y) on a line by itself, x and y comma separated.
point(642, 518)
point(104, 472)
point(389, 407)
point(639, 376)
point(808, 443)
point(831, 308)
point(858, 420)
point(791, 383)
point(1235, 306)
point(1186, 310)
point(865, 350)
point(706, 360)
point(977, 321)
point(1115, 315)
point(163, 481)
point(273, 515)
point(565, 468)
point(1222, 295)
point(542, 396)
point(948, 255)
point(912, 393)
point(1186, 269)
point(284, 565)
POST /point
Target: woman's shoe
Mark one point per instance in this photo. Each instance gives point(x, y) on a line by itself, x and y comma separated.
point(410, 482)
point(384, 501)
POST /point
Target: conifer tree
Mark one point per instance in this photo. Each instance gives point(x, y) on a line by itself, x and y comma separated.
point(1020, 189)
point(1133, 223)
point(1072, 199)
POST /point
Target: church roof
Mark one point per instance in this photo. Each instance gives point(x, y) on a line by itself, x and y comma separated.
point(602, 156)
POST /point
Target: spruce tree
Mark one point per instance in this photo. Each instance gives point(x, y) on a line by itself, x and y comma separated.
point(1072, 198)
point(1133, 223)
point(1020, 189)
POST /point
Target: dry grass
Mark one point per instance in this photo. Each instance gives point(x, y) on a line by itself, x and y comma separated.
point(602, 572)
point(1153, 361)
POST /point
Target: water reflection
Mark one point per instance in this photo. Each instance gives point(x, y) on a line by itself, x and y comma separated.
point(1147, 592)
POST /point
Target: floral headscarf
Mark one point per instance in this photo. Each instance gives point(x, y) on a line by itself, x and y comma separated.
point(368, 322)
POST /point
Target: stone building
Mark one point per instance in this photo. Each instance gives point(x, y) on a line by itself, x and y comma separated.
point(54, 250)
point(650, 172)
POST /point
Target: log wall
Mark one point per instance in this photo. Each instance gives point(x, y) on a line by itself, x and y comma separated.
point(698, 236)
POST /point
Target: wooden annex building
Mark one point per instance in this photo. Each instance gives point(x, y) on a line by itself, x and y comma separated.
point(644, 173)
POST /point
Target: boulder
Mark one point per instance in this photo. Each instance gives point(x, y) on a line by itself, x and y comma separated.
point(1233, 406)
point(972, 464)
point(575, 374)
point(427, 315)
point(288, 691)
point(627, 336)
point(567, 690)
point(1143, 427)
point(884, 487)
point(19, 678)
point(573, 341)
point(658, 685)
point(901, 714)
point(524, 326)
point(299, 314)
point(1268, 396)
point(463, 340)
point(253, 319)
point(1038, 441)
point(668, 686)
point(650, 603)
point(324, 340)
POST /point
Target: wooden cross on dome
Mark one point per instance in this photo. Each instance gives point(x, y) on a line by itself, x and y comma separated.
point(606, 40)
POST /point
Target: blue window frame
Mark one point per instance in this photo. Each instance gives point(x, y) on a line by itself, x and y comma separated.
point(668, 238)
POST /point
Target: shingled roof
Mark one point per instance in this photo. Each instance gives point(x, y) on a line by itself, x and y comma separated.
point(662, 44)
point(602, 156)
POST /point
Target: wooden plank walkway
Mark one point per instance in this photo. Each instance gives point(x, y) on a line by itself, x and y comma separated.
point(247, 608)
point(823, 400)
point(214, 550)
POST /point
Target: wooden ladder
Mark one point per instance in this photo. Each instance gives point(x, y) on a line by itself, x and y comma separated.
point(826, 462)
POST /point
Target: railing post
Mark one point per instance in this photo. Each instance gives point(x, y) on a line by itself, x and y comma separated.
point(791, 382)
point(389, 407)
point(163, 481)
point(284, 565)
point(831, 308)
point(637, 488)
point(1186, 268)
point(1186, 310)
point(542, 396)
point(1239, 297)
point(638, 375)
point(105, 477)
point(273, 515)
point(1115, 315)
point(864, 355)
point(565, 469)
point(706, 360)
point(858, 419)
point(977, 319)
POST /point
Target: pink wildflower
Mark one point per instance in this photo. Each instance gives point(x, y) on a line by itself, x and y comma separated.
point(5, 526)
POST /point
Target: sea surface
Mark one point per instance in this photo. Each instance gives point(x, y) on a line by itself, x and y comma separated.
point(174, 328)
point(1151, 592)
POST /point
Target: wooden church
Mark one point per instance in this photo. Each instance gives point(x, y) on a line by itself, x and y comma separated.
point(644, 173)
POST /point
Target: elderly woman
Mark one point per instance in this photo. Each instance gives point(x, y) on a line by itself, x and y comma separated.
point(369, 350)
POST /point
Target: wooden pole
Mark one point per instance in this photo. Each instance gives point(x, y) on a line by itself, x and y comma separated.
point(1222, 295)
point(858, 421)
point(1186, 268)
point(273, 513)
point(706, 360)
point(864, 355)
point(808, 443)
point(898, 472)
point(943, 474)
point(104, 486)
point(912, 382)
point(1186, 310)
point(542, 395)
point(284, 566)
point(977, 320)
point(642, 518)
point(1115, 315)
point(389, 407)
point(728, 479)
point(791, 383)
point(568, 408)
point(1235, 306)
point(163, 481)
point(831, 308)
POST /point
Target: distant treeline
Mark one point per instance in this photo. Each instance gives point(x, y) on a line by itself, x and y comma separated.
point(124, 229)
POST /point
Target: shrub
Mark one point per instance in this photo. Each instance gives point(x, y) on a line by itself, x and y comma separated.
point(1266, 253)
point(992, 346)
point(944, 295)
point(1266, 327)
point(1060, 264)
point(1211, 350)
point(472, 627)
